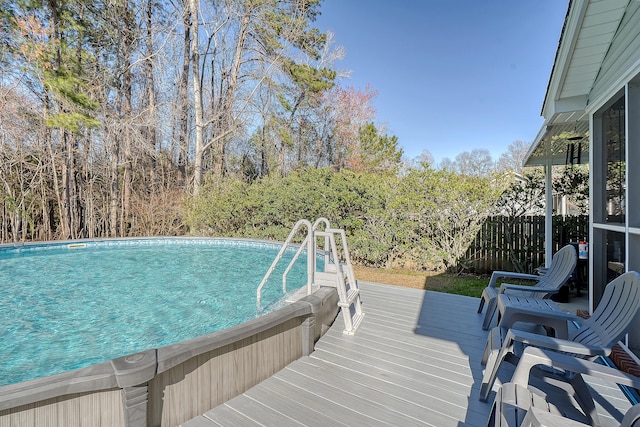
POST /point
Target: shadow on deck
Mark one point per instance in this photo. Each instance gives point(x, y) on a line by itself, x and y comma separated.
point(414, 361)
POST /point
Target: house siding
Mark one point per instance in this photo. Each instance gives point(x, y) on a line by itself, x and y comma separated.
point(622, 54)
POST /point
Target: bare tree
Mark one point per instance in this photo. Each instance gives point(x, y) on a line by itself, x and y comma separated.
point(194, 10)
point(513, 158)
point(129, 98)
point(477, 162)
point(247, 42)
point(183, 98)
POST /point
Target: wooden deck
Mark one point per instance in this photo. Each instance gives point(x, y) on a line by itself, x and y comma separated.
point(414, 361)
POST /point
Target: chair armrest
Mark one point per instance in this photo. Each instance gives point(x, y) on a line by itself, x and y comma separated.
point(558, 320)
point(560, 315)
point(538, 418)
point(555, 344)
point(523, 288)
point(497, 274)
point(533, 356)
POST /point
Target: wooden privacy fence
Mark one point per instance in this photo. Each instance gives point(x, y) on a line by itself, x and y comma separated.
point(517, 243)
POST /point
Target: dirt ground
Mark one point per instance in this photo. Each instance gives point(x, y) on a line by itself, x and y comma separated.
point(407, 279)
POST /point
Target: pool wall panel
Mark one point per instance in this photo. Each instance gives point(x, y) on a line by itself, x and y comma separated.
point(169, 385)
point(220, 370)
point(206, 381)
point(100, 409)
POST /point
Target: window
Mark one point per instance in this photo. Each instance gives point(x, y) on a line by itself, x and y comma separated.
point(615, 255)
point(613, 137)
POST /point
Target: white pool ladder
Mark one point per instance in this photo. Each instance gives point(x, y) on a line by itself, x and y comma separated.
point(337, 272)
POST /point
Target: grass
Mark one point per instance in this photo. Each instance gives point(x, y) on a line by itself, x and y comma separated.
point(469, 285)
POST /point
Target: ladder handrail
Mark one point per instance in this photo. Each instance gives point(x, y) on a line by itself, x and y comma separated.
point(332, 253)
point(347, 256)
point(348, 292)
point(281, 252)
point(290, 266)
point(326, 241)
point(313, 255)
point(334, 269)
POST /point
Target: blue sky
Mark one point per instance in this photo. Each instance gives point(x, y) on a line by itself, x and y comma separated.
point(451, 75)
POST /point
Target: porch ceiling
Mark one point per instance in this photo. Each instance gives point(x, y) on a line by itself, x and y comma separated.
point(588, 30)
point(554, 144)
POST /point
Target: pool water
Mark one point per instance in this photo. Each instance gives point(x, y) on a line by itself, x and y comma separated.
point(65, 308)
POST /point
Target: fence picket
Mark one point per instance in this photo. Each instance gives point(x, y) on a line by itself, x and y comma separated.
point(517, 244)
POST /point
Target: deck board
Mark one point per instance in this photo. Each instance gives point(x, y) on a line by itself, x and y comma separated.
point(261, 413)
point(421, 395)
point(224, 416)
point(414, 361)
point(306, 407)
point(356, 397)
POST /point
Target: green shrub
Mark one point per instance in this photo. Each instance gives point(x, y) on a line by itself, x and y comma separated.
point(424, 220)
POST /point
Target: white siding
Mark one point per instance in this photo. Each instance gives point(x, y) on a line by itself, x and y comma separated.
point(623, 53)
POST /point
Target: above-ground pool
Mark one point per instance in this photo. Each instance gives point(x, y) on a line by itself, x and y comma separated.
point(69, 305)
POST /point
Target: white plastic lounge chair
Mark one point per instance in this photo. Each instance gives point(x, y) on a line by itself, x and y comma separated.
point(596, 336)
point(516, 405)
point(538, 418)
point(562, 265)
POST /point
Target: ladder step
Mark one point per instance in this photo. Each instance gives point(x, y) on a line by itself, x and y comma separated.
point(351, 297)
point(357, 320)
point(338, 272)
point(326, 278)
point(333, 267)
point(331, 270)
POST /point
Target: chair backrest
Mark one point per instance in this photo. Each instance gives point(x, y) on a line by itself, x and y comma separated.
point(632, 418)
point(612, 317)
point(562, 265)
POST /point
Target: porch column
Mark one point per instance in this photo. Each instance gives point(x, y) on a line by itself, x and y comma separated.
point(548, 215)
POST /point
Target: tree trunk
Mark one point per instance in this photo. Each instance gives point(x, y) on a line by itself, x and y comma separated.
point(183, 143)
point(127, 175)
point(114, 190)
point(151, 95)
point(127, 183)
point(66, 189)
point(264, 164)
point(197, 92)
point(74, 190)
point(226, 113)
